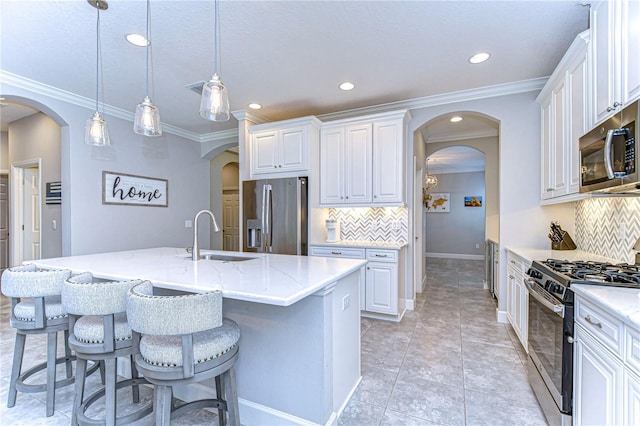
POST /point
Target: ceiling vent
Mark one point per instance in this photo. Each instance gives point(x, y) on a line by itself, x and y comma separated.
point(196, 87)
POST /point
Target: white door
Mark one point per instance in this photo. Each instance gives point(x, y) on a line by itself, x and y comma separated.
point(418, 247)
point(4, 223)
point(31, 214)
point(230, 222)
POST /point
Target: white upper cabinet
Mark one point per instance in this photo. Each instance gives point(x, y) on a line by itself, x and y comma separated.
point(616, 62)
point(362, 161)
point(565, 109)
point(283, 147)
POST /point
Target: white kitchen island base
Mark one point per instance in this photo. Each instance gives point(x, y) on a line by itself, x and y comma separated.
point(299, 318)
point(298, 363)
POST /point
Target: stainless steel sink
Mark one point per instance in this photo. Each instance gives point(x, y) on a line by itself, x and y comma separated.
point(224, 257)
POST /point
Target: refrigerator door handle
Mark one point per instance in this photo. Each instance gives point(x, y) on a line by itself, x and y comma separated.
point(266, 217)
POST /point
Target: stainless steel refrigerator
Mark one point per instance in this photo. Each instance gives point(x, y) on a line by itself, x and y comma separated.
point(275, 213)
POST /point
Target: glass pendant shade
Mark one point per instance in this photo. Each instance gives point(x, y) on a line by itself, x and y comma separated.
point(214, 104)
point(147, 119)
point(96, 132)
point(430, 181)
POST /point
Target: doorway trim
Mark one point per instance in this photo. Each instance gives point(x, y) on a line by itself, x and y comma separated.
point(16, 211)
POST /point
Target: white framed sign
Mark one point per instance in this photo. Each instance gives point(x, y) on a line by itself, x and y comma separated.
point(132, 190)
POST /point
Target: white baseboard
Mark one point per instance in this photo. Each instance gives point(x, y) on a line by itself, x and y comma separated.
point(410, 304)
point(502, 316)
point(455, 256)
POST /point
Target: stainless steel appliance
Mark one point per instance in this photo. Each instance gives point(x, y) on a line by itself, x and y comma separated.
point(274, 213)
point(551, 325)
point(491, 258)
point(609, 154)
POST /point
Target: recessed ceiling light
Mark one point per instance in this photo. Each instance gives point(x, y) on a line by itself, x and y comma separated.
point(479, 57)
point(346, 86)
point(455, 119)
point(255, 106)
point(137, 40)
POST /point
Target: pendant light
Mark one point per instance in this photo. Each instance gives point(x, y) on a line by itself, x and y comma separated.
point(147, 119)
point(95, 130)
point(214, 104)
point(430, 181)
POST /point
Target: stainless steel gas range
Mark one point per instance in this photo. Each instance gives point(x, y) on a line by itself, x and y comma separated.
point(551, 323)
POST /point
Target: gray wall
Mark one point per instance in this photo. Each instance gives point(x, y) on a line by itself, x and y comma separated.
point(4, 152)
point(91, 227)
point(458, 231)
point(38, 137)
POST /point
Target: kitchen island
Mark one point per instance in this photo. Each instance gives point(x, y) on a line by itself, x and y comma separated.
point(299, 319)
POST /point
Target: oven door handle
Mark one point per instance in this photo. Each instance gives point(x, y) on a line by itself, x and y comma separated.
point(536, 291)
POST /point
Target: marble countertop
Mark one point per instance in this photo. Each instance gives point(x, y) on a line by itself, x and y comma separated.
point(623, 303)
point(267, 278)
point(571, 255)
point(364, 244)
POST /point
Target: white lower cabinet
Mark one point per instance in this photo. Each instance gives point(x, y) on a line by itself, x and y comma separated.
point(380, 292)
point(381, 288)
point(606, 380)
point(597, 397)
point(518, 297)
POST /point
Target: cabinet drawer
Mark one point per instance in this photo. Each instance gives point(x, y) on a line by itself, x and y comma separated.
point(607, 329)
point(347, 253)
point(632, 348)
point(517, 262)
point(382, 255)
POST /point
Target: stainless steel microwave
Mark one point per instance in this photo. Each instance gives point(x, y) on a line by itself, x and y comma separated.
point(609, 154)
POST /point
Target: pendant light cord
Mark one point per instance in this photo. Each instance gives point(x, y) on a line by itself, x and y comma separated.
point(97, 52)
point(216, 35)
point(148, 46)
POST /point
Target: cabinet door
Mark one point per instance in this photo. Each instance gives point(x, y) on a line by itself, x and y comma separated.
point(558, 151)
point(264, 152)
point(517, 303)
point(293, 149)
point(603, 58)
point(388, 158)
point(511, 295)
point(546, 190)
point(631, 414)
point(578, 118)
point(357, 170)
point(630, 50)
point(381, 292)
point(597, 378)
point(332, 166)
point(523, 301)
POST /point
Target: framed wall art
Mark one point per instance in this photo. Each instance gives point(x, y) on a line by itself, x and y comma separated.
point(438, 202)
point(473, 201)
point(132, 190)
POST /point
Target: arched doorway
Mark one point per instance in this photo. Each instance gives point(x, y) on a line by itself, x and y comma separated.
point(31, 205)
point(475, 130)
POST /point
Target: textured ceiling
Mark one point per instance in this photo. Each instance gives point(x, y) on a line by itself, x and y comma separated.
point(287, 55)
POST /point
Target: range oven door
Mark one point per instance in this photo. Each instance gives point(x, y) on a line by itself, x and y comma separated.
point(550, 348)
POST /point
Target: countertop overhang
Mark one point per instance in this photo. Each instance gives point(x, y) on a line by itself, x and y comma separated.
point(267, 278)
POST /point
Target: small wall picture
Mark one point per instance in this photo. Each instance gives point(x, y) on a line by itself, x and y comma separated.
point(473, 201)
point(438, 202)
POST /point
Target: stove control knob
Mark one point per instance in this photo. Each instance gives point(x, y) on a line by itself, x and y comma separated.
point(535, 274)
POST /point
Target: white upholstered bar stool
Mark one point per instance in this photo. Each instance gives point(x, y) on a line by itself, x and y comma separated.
point(100, 333)
point(184, 339)
point(36, 309)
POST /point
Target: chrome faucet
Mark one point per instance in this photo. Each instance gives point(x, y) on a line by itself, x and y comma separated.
point(195, 253)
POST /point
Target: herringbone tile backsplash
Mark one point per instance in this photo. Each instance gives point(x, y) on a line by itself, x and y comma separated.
point(388, 224)
point(601, 222)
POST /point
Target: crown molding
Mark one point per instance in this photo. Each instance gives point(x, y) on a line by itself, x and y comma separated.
point(428, 101)
point(21, 82)
point(446, 98)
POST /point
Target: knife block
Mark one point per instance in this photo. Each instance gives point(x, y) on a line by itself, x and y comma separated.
point(566, 243)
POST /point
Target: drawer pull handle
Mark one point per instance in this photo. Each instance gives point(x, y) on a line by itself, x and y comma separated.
point(592, 322)
point(336, 252)
point(381, 255)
